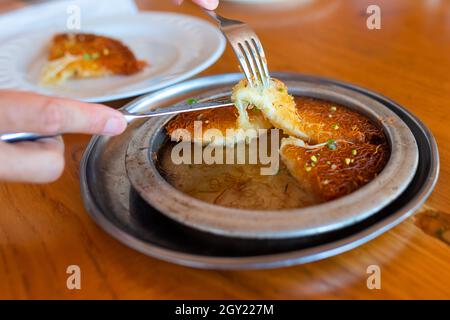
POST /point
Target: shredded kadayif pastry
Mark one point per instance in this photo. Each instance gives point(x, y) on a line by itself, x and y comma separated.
point(349, 150)
point(329, 149)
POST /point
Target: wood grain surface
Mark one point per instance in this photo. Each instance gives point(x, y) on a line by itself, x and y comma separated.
point(44, 228)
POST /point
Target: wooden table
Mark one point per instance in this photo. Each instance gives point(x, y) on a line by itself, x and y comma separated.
point(44, 228)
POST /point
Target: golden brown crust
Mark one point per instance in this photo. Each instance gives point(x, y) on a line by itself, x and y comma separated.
point(322, 120)
point(220, 119)
point(358, 153)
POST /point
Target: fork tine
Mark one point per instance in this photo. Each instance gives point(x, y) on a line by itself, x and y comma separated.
point(247, 48)
point(257, 61)
point(262, 57)
point(243, 63)
point(249, 57)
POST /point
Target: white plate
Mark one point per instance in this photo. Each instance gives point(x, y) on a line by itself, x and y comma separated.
point(176, 46)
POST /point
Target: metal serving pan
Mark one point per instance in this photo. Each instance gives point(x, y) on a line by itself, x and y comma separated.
point(122, 212)
point(269, 224)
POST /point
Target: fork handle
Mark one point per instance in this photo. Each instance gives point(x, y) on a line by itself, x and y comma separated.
point(23, 136)
point(212, 14)
point(219, 19)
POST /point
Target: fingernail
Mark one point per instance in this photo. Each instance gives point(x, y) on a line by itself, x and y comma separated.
point(215, 3)
point(114, 126)
point(178, 2)
point(209, 4)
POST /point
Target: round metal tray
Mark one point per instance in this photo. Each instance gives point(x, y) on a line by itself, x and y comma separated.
point(119, 209)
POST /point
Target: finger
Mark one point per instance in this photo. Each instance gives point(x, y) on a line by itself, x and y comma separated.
point(56, 143)
point(37, 162)
point(207, 4)
point(24, 111)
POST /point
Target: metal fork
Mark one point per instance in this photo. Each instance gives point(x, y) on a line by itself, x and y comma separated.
point(247, 47)
point(181, 107)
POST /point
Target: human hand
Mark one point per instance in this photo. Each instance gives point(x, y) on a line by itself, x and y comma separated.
point(207, 4)
point(43, 160)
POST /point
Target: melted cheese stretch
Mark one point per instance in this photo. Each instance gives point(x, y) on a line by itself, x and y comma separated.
point(300, 143)
point(69, 66)
point(54, 71)
point(274, 102)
